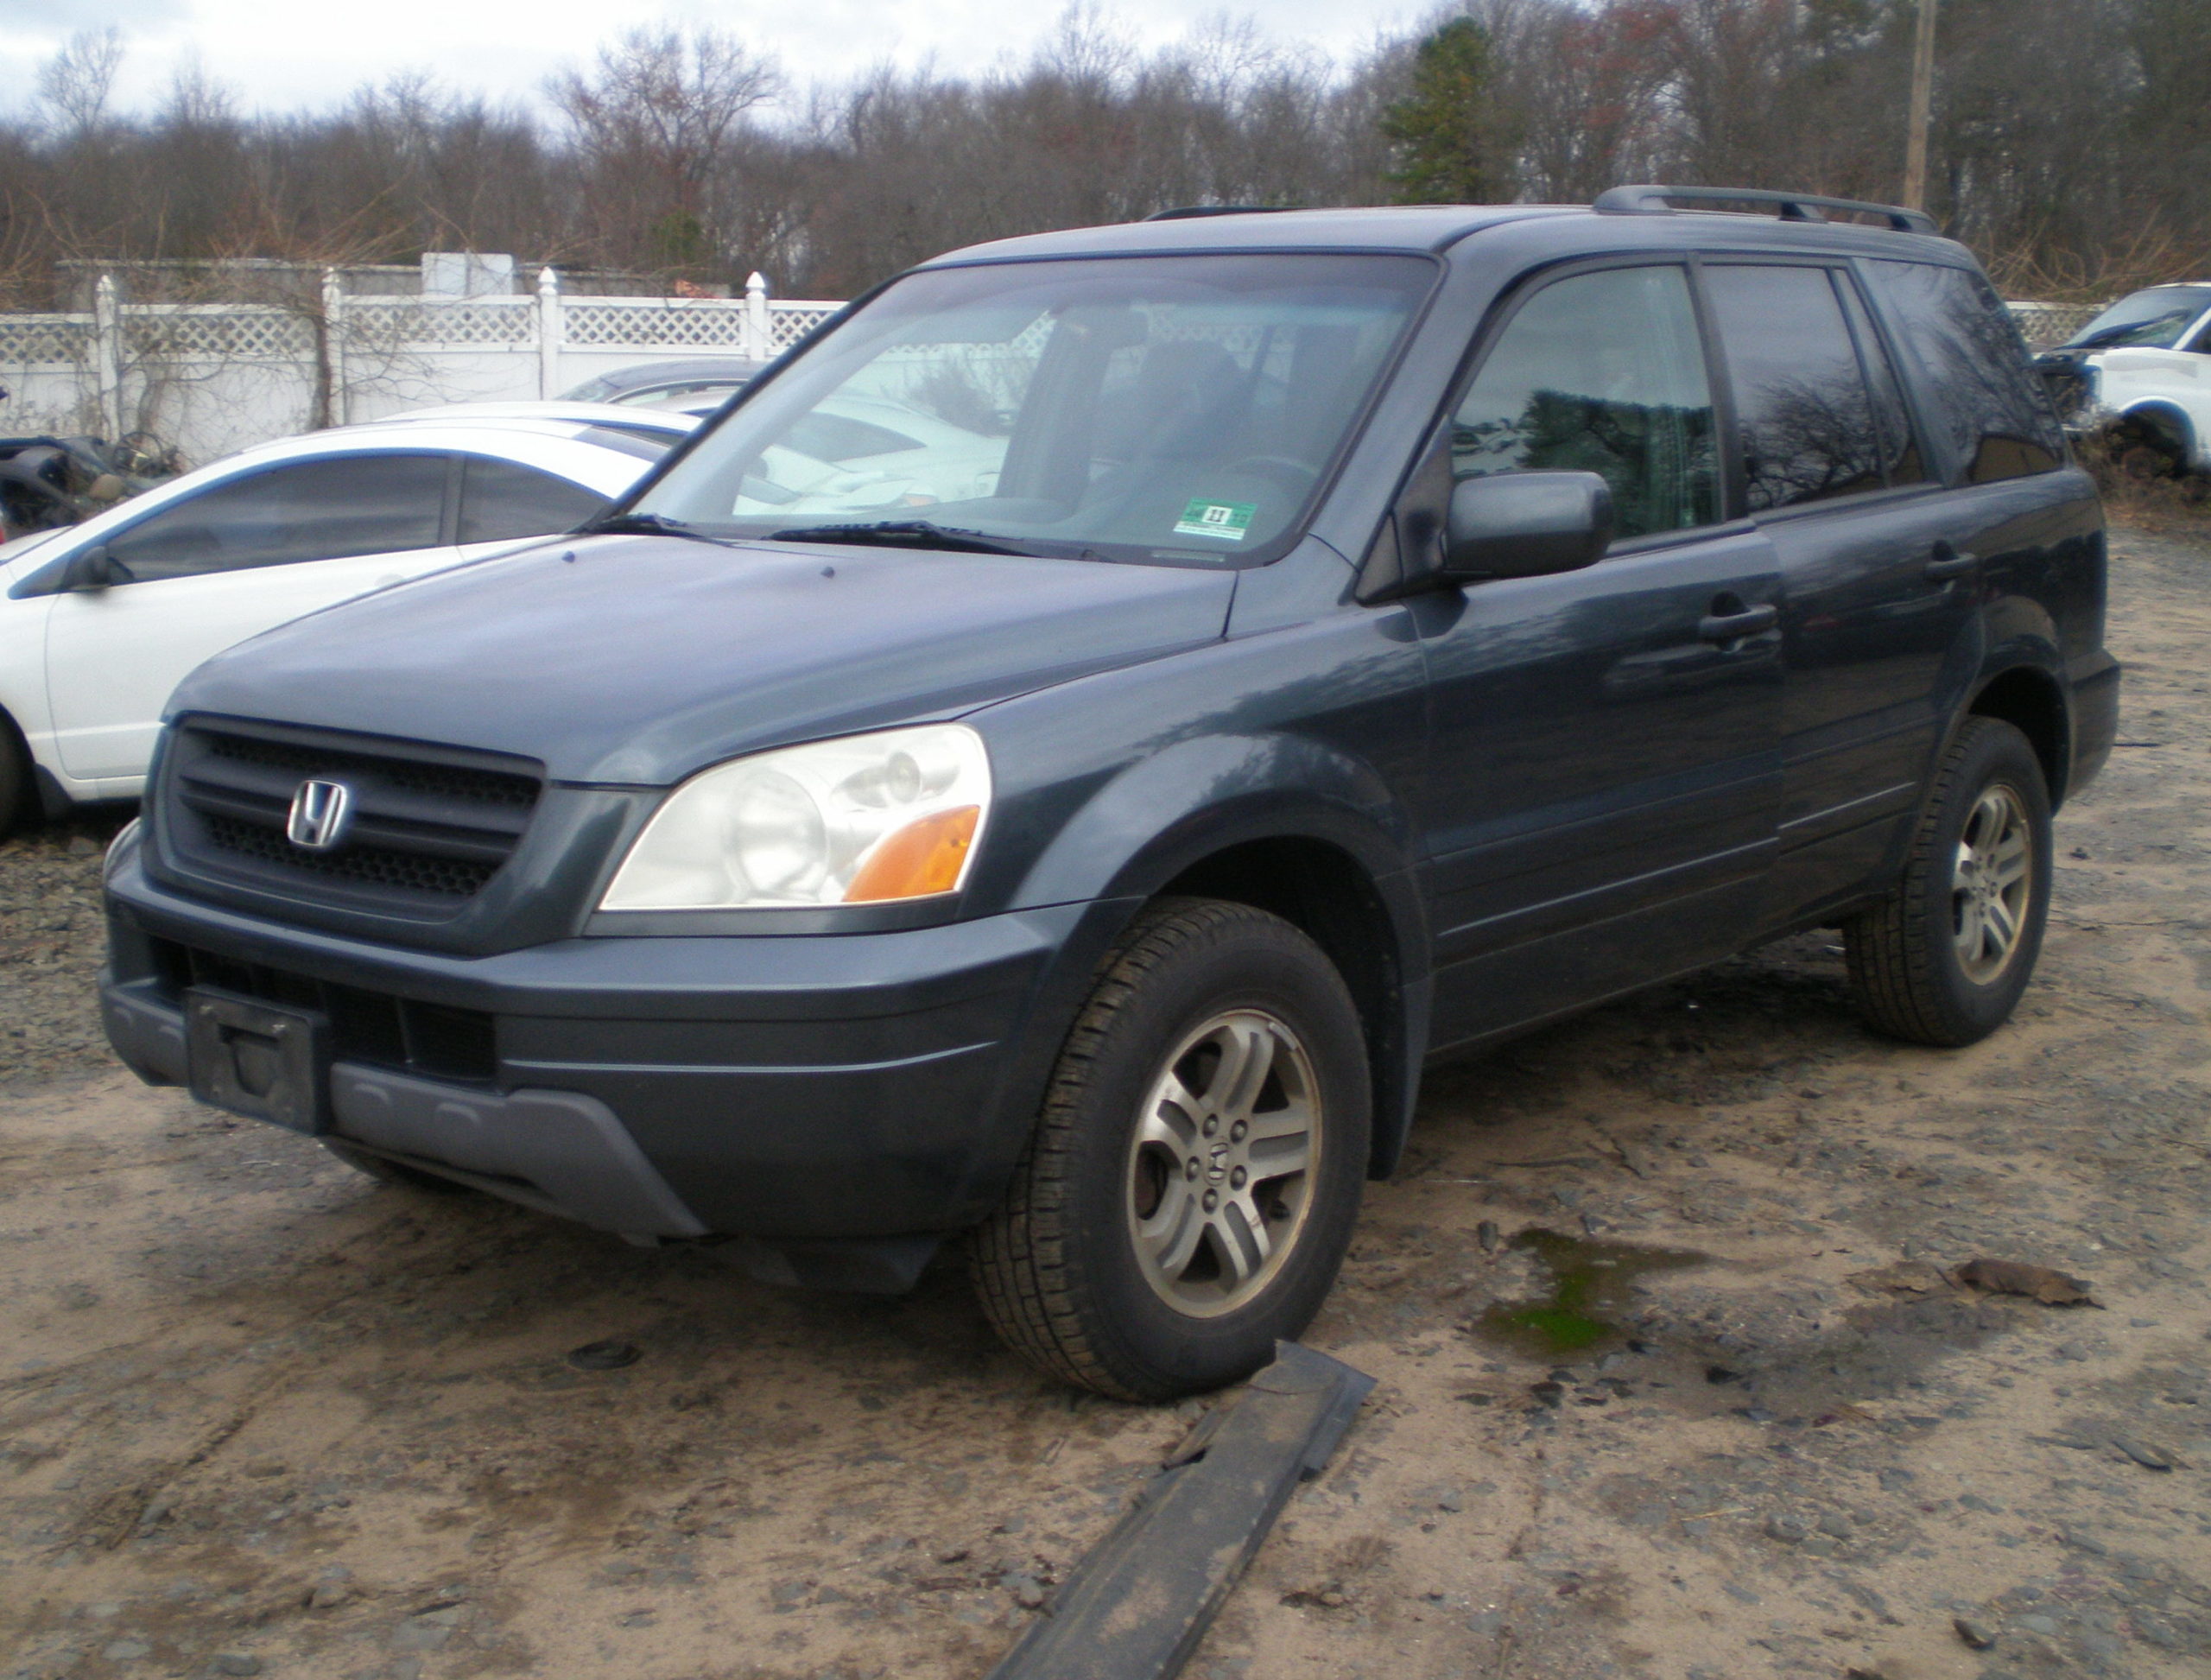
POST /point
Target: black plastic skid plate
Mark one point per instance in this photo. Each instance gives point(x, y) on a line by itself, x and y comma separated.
point(1135, 1607)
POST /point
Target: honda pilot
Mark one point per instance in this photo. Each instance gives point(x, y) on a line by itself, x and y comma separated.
point(1050, 765)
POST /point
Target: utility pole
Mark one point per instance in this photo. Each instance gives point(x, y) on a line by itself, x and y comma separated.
point(1922, 96)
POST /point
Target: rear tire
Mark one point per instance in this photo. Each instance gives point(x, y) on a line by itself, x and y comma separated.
point(1193, 1181)
point(1943, 958)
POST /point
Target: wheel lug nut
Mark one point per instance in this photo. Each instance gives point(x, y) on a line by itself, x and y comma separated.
point(1212, 1200)
point(1236, 1179)
point(1235, 1133)
point(1210, 1127)
point(1193, 1169)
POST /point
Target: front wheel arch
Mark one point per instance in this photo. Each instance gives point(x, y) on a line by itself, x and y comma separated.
point(2163, 426)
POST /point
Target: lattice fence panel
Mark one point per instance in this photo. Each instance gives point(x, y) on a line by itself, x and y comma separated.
point(479, 323)
point(203, 333)
point(690, 324)
point(26, 340)
point(2053, 323)
point(789, 322)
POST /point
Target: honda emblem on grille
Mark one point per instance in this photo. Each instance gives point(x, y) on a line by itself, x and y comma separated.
point(321, 814)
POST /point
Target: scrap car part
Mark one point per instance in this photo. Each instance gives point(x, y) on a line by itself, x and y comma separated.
point(1137, 1604)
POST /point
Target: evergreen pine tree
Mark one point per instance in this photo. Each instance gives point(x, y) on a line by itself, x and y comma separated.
point(1443, 135)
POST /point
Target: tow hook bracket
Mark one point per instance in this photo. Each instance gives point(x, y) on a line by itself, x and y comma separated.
point(1137, 1606)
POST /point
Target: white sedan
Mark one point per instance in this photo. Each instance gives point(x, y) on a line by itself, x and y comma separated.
point(99, 621)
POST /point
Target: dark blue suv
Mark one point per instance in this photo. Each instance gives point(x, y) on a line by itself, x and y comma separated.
point(1053, 763)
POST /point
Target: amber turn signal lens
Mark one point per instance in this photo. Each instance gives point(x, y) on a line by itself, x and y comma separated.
point(921, 858)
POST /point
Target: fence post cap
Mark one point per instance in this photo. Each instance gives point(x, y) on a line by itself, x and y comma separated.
point(756, 285)
point(547, 281)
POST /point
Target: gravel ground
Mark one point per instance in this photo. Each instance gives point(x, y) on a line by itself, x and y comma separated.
point(50, 944)
point(257, 1415)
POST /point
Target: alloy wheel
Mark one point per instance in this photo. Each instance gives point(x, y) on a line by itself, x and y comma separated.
point(1992, 884)
point(1226, 1146)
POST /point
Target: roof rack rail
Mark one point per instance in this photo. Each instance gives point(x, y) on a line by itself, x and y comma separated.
point(1190, 212)
point(1791, 206)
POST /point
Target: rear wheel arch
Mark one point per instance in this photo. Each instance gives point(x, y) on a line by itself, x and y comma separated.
point(2032, 701)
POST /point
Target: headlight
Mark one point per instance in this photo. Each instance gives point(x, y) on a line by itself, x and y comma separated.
point(859, 820)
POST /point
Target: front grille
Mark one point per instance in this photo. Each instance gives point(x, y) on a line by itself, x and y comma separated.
point(430, 825)
point(374, 1027)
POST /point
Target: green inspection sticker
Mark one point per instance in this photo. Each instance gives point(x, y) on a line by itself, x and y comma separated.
point(1225, 520)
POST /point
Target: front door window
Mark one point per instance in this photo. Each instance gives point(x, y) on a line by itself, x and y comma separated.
point(1604, 373)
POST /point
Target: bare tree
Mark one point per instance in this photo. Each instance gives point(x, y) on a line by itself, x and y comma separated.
point(77, 82)
point(669, 155)
point(654, 118)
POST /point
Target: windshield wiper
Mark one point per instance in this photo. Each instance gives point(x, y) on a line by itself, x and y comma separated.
point(642, 524)
point(903, 533)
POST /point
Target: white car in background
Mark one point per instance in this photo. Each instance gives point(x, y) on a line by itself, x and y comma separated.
point(861, 454)
point(2139, 374)
point(99, 621)
point(662, 426)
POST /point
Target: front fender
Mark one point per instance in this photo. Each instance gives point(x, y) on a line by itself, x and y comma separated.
point(1163, 813)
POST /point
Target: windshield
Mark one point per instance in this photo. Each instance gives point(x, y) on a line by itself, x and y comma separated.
point(2154, 319)
point(1177, 409)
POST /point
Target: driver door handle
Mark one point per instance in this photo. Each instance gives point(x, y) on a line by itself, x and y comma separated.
point(1734, 626)
point(1947, 563)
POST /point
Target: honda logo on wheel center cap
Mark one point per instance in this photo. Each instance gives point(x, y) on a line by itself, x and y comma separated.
point(321, 814)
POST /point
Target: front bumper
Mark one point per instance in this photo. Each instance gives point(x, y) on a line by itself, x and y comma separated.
point(795, 1090)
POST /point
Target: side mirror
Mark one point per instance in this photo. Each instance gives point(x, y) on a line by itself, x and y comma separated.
point(1526, 525)
point(91, 571)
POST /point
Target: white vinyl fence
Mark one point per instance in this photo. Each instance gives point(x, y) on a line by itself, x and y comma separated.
point(211, 378)
point(2046, 323)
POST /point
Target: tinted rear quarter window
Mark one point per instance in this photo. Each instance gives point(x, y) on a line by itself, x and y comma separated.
point(500, 500)
point(1975, 377)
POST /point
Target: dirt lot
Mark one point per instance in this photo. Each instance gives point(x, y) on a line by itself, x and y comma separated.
point(258, 1415)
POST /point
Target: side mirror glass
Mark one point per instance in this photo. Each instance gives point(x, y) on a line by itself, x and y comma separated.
point(1527, 525)
point(91, 571)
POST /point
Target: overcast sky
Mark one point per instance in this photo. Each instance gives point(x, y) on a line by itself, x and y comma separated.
point(284, 54)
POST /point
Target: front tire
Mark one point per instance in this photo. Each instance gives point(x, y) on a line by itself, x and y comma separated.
point(1944, 958)
point(18, 787)
point(1194, 1178)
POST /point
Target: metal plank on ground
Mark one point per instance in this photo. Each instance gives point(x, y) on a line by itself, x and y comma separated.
point(1135, 1607)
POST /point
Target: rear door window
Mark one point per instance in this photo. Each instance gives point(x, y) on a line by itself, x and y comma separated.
point(1902, 459)
point(500, 500)
point(325, 509)
point(1976, 378)
point(1802, 406)
point(1601, 372)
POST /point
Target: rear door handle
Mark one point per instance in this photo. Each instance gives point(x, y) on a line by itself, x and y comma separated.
point(1734, 626)
point(1947, 564)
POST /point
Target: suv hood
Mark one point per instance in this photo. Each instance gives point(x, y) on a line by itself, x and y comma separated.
point(638, 660)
